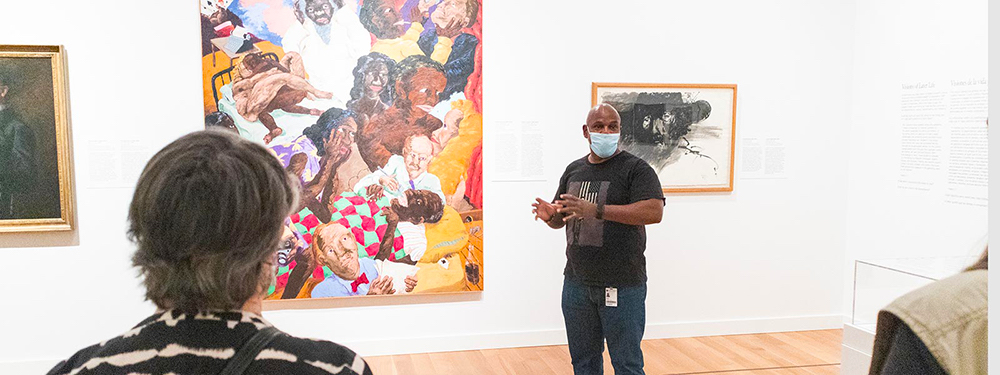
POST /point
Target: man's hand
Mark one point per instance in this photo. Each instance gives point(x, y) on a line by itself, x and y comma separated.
point(543, 210)
point(575, 208)
point(390, 215)
point(419, 13)
point(381, 285)
point(374, 192)
point(389, 183)
point(411, 282)
point(424, 6)
point(453, 29)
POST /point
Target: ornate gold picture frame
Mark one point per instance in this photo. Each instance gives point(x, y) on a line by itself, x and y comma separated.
point(686, 132)
point(36, 179)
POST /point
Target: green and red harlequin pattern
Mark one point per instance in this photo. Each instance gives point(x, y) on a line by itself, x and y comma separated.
point(365, 220)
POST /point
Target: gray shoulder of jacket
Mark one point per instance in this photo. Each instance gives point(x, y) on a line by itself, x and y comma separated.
point(958, 295)
point(950, 317)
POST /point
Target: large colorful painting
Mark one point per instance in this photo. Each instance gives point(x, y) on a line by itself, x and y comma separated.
point(376, 106)
point(686, 132)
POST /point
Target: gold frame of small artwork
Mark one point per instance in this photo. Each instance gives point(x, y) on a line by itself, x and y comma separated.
point(64, 222)
point(594, 86)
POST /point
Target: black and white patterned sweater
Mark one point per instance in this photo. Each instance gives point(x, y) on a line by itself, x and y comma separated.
point(179, 343)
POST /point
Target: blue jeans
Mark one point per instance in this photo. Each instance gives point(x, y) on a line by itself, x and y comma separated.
point(589, 322)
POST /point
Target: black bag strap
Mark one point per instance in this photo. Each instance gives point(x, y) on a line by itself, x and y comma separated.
point(243, 357)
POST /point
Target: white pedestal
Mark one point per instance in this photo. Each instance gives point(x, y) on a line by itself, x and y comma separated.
point(856, 353)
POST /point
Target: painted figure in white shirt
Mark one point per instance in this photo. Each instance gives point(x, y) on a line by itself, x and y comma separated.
point(402, 173)
point(330, 40)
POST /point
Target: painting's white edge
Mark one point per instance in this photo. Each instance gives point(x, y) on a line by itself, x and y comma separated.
point(497, 340)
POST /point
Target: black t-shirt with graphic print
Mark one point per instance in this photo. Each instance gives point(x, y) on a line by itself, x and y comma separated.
point(601, 252)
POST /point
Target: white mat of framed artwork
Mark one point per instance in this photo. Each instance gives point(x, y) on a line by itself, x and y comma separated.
point(698, 159)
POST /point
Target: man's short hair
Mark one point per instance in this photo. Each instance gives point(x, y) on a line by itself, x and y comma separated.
point(424, 206)
point(206, 217)
point(408, 142)
point(472, 11)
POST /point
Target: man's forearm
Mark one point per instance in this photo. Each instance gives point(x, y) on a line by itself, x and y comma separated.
point(326, 171)
point(387, 242)
point(645, 212)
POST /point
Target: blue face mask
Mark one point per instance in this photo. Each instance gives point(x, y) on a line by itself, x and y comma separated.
point(604, 145)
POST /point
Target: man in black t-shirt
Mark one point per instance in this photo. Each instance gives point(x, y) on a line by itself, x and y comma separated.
point(605, 200)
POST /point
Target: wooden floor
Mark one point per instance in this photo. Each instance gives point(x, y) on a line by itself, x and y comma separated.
point(790, 353)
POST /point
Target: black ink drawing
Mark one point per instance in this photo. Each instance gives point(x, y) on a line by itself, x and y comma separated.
point(656, 125)
point(685, 132)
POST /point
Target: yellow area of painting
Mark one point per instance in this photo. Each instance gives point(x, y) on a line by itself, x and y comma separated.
point(435, 278)
point(446, 240)
point(452, 164)
point(446, 236)
point(210, 67)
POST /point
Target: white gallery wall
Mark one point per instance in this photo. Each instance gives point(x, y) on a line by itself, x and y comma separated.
point(911, 192)
point(768, 257)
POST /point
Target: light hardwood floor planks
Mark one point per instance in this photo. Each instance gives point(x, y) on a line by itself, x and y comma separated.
point(785, 353)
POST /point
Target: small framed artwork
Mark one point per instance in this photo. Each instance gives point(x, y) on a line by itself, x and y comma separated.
point(686, 132)
point(36, 175)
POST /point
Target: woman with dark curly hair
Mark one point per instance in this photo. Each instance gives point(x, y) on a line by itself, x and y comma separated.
point(333, 137)
point(372, 92)
point(302, 155)
point(418, 82)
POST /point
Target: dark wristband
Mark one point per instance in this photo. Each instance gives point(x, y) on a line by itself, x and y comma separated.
point(600, 212)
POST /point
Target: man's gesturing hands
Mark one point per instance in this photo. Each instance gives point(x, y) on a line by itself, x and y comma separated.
point(569, 206)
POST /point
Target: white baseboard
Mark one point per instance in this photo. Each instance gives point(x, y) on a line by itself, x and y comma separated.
point(743, 326)
point(515, 339)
